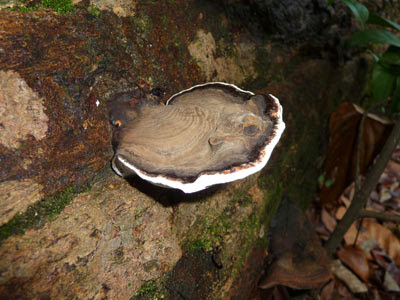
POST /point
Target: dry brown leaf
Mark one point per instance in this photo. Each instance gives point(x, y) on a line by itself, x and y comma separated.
point(372, 229)
point(346, 201)
point(390, 284)
point(340, 159)
point(328, 220)
point(347, 277)
point(322, 232)
point(394, 167)
point(343, 291)
point(356, 259)
point(386, 262)
point(349, 192)
point(386, 179)
point(340, 212)
point(375, 206)
point(384, 194)
point(374, 196)
point(328, 290)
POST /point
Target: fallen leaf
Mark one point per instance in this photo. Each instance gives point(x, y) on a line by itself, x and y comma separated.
point(372, 229)
point(374, 196)
point(347, 277)
point(385, 179)
point(384, 194)
point(368, 245)
point(340, 159)
point(328, 220)
point(346, 201)
point(393, 204)
point(322, 231)
point(387, 263)
point(375, 206)
point(356, 259)
point(343, 290)
point(340, 212)
point(393, 188)
point(390, 284)
point(328, 290)
point(394, 167)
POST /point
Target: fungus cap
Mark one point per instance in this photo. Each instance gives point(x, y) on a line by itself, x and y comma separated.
point(209, 134)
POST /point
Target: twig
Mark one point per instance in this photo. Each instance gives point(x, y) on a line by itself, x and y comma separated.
point(357, 173)
point(360, 198)
point(379, 215)
point(359, 141)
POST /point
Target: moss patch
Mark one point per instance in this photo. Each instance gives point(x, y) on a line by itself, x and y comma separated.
point(150, 290)
point(94, 11)
point(60, 6)
point(45, 210)
point(37, 214)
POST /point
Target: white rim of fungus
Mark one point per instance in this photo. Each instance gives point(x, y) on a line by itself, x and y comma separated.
point(212, 178)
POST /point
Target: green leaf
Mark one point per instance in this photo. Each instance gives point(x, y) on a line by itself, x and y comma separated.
point(394, 106)
point(358, 10)
point(329, 183)
point(392, 56)
point(383, 82)
point(378, 20)
point(374, 36)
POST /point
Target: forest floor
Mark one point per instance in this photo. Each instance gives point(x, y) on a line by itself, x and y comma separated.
point(366, 264)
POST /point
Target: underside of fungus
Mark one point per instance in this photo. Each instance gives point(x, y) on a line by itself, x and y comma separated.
point(209, 134)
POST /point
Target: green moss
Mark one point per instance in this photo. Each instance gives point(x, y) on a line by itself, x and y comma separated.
point(242, 197)
point(60, 6)
point(94, 11)
point(262, 67)
point(212, 232)
point(24, 8)
point(199, 244)
point(296, 167)
point(143, 26)
point(147, 1)
point(46, 209)
point(250, 227)
point(37, 214)
point(150, 290)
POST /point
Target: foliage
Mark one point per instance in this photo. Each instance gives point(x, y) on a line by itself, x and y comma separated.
point(94, 11)
point(60, 6)
point(385, 80)
point(149, 290)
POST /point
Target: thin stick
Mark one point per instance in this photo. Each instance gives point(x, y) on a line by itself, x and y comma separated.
point(357, 173)
point(379, 215)
point(359, 141)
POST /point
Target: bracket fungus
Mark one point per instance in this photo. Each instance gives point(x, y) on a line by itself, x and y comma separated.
point(209, 134)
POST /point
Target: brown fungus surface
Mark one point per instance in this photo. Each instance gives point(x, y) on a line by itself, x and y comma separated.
point(213, 129)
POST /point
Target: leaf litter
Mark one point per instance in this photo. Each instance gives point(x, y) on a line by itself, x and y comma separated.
point(370, 251)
